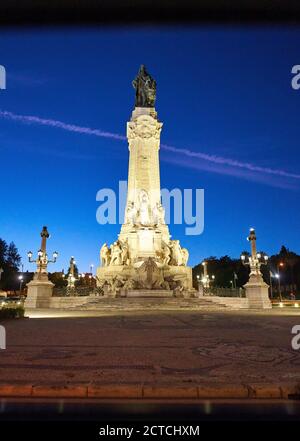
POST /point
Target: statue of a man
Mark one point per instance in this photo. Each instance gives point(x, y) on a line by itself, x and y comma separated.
point(176, 252)
point(145, 89)
point(158, 214)
point(105, 255)
point(125, 254)
point(166, 255)
point(184, 256)
point(131, 212)
point(116, 252)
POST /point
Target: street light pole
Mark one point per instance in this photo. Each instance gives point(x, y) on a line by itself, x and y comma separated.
point(1, 271)
point(40, 289)
point(205, 278)
point(21, 283)
point(256, 289)
point(279, 284)
point(256, 260)
point(234, 279)
point(271, 285)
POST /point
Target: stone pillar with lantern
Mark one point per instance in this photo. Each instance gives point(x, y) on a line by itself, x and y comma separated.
point(200, 287)
point(40, 289)
point(205, 277)
point(71, 277)
point(257, 291)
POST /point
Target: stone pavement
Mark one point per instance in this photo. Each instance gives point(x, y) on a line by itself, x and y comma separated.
point(151, 354)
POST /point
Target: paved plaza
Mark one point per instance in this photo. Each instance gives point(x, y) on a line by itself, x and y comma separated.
point(167, 348)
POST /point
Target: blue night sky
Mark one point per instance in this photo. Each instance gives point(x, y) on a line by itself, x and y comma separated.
point(221, 92)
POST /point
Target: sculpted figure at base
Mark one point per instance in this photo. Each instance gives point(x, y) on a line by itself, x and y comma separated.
point(144, 215)
point(178, 290)
point(158, 214)
point(125, 258)
point(116, 253)
point(149, 276)
point(114, 286)
point(166, 255)
point(180, 255)
point(105, 255)
point(184, 256)
point(102, 286)
point(131, 213)
point(176, 252)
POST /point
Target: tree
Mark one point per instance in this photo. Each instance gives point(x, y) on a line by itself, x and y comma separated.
point(3, 251)
point(9, 262)
point(13, 258)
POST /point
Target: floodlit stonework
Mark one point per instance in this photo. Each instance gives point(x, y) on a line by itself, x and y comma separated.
point(144, 258)
point(39, 293)
point(40, 289)
point(257, 291)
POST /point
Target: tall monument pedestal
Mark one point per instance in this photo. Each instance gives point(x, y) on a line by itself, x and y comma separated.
point(144, 258)
point(39, 293)
point(257, 293)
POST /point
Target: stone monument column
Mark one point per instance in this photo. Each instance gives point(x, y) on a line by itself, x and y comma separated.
point(143, 258)
point(144, 228)
point(143, 133)
point(257, 291)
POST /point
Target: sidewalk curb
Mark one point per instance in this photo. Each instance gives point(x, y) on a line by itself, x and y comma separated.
point(160, 391)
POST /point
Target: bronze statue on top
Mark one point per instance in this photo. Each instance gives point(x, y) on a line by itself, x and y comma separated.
point(145, 89)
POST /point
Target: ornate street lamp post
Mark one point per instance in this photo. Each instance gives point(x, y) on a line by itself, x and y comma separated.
point(278, 275)
point(256, 259)
point(256, 288)
point(42, 260)
point(21, 283)
point(40, 289)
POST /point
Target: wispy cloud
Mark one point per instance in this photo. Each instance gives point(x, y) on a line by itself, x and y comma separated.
point(198, 160)
point(231, 162)
point(59, 125)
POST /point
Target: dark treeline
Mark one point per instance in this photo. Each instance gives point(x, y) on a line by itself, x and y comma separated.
point(10, 261)
point(227, 272)
point(225, 268)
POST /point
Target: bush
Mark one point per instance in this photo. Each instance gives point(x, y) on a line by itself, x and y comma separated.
point(12, 312)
